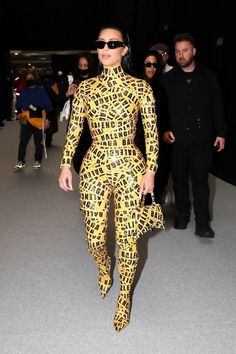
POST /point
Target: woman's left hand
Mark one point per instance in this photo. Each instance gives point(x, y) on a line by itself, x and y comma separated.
point(147, 183)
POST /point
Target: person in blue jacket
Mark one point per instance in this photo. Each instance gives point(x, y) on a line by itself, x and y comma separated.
point(32, 105)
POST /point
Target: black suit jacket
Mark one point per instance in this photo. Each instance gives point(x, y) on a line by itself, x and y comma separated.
point(195, 104)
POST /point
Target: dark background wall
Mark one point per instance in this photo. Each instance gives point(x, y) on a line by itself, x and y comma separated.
point(54, 25)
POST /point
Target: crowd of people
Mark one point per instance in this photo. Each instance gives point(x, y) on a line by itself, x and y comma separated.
point(127, 135)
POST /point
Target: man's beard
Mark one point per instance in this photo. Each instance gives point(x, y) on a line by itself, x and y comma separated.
point(186, 63)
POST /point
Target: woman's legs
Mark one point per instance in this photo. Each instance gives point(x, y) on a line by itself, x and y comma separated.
point(121, 175)
point(127, 265)
point(96, 228)
point(95, 201)
point(38, 144)
point(26, 131)
point(126, 200)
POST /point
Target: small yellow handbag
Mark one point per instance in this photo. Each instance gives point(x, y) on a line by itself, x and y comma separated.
point(148, 217)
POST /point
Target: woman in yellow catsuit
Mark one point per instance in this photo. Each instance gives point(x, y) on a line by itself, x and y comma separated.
point(113, 165)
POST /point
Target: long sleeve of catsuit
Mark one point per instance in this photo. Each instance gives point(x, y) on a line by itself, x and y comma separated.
point(75, 128)
point(149, 121)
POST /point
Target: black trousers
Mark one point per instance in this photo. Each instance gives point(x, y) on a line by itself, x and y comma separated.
point(164, 163)
point(163, 171)
point(53, 127)
point(194, 161)
point(26, 131)
point(83, 146)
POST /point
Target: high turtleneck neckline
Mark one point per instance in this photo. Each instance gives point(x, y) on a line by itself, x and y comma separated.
point(112, 71)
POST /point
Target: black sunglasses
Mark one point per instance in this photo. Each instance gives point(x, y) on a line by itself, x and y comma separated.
point(110, 44)
point(149, 64)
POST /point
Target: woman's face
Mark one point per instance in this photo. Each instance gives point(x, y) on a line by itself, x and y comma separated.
point(149, 69)
point(83, 67)
point(111, 56)
point(83, 63)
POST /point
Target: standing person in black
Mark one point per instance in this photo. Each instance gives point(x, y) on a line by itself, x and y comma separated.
point(152, 72)
point(196, 125)
point(85, 68)
point(52, 89)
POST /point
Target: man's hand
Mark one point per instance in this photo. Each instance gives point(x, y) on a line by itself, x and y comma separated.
point(220, 143)
point(168, 137)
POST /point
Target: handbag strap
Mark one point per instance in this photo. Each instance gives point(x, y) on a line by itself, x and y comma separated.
point(142, 199)
point(153, 198)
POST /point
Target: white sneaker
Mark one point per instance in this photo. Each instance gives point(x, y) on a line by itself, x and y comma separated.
point(19, 166)
point(37, 165)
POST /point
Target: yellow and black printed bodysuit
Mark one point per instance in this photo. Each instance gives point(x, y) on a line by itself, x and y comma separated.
point(113, 164)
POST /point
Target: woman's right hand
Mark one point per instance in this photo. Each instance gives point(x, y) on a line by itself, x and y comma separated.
point(71, 90)
point(65, 179)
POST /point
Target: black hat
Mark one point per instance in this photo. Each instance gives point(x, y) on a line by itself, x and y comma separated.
point(160, 46)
